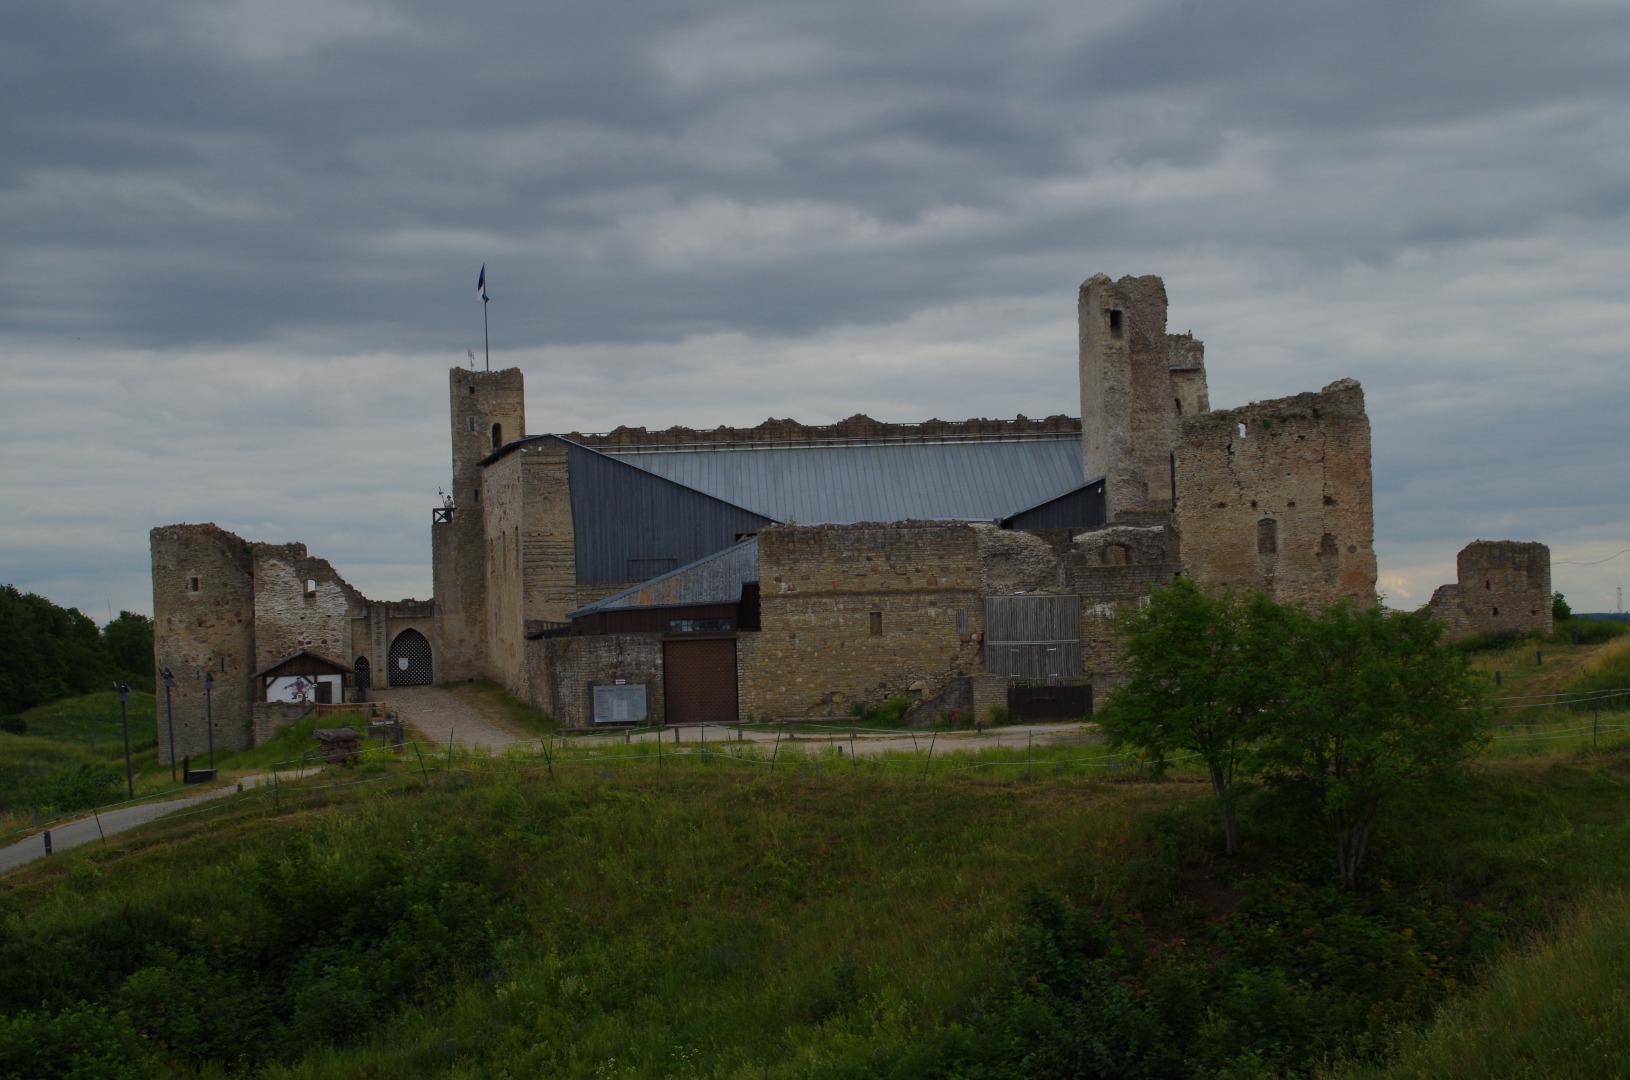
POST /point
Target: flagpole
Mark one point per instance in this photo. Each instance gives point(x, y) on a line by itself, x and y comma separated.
point(485, 339)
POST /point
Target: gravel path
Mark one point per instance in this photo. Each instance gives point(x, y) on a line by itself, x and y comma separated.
point(441, 716)
point(874, 742)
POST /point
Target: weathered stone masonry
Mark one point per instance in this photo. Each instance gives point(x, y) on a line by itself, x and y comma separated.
point(860, 613)
point(1503, 585)
point(1276, 496)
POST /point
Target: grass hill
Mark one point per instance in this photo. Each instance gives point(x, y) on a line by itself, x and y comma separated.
point(609, 912)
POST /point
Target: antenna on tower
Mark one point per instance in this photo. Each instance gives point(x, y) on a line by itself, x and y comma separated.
point(471, 354)
point(1620, 590)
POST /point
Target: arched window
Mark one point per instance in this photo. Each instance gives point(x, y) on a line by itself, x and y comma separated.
point(497, 436)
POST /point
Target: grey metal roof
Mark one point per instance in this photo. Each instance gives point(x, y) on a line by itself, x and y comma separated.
point(716, 579)
point(962, 480)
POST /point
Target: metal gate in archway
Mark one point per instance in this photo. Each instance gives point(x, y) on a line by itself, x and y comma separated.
point(364, 680)
point(410, 660)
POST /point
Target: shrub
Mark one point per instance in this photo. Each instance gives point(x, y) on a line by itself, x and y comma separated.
point(14, 724)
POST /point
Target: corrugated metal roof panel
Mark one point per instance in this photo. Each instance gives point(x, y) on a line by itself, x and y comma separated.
point(716, 579)
point(925, 481)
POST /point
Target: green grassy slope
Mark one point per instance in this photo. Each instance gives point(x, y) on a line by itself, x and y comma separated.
point(608, 915)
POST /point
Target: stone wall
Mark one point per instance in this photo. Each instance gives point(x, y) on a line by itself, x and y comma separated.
point(1111, 569)
point(1137, 382)
point(530, 557)
point(1502, 586)
point(301, 602)
point(1276, 496)
point(203, 621)
point(562, 673)
point(860, 613)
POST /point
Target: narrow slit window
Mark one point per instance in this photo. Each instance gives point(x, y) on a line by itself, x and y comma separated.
point(497, 436)
point(1115, 323)
point(311, 588)
point(192, 584)
point(877, 624)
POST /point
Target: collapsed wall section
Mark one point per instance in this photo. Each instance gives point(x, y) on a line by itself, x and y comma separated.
point(301, 602)
point(861, 613)
point(1277, 496)
point(1502, 586)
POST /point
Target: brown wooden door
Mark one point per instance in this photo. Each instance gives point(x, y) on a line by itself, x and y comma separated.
point(699, 681)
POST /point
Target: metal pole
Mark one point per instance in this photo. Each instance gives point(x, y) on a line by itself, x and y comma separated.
point(169, 712)
point(486, 341)
point(209, 714)
point(124, 722)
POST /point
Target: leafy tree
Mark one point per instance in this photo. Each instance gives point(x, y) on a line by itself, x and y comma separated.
point(1204, 669)
point(1560, 609)
point(129, 643)
point(1369, 702)
point(50, 652)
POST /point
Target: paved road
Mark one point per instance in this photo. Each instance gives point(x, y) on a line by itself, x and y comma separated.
point(440, 716)
point(83, 831)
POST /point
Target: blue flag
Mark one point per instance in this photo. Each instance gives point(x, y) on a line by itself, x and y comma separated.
point(481, 285)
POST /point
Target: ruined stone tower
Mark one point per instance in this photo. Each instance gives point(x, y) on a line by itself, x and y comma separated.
point(486, 410)
point(1137, 382)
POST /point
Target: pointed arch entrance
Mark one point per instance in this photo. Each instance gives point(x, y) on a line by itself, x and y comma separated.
point(364, 679)
point(410, 659)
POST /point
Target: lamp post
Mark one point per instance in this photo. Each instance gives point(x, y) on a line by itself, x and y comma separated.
point(124, 721)
point(169, 685)
point(209, 714)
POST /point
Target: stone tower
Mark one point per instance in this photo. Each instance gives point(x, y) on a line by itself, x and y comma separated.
point(1137, 382)
point(203, 621)
point(486, 410)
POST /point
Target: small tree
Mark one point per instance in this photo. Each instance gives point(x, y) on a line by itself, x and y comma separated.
point(1204, 668)
point(1370, 703)
point(1561, 611)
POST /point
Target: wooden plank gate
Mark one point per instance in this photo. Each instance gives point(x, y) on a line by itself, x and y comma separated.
point(699, 680)
point(1034, 638)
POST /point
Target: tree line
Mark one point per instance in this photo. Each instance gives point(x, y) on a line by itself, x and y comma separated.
point(1332, 711)
point(52, 652)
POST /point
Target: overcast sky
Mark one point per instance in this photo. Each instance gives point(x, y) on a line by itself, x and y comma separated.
point(239, 242)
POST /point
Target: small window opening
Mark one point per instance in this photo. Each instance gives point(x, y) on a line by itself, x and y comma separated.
point(472, 389)
point(1267, 537)
point(1496, 611)
point(1487, 585)
point(877, 624)
point(497, 436)
point(192, 584)
point(1242, 431)
point(477, 495)
point(1179, 403)
point(311, 588)
point(472, 425)
point(1115, 323)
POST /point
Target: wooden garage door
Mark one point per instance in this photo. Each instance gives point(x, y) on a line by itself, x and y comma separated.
point(699, 681)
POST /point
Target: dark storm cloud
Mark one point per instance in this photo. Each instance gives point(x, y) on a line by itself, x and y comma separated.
point(256, 226)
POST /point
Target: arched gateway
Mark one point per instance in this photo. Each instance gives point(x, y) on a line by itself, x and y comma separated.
point(410, 659)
